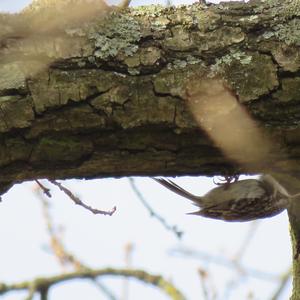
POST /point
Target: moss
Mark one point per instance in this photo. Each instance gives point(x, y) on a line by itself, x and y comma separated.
point(290, 90)
point(18, 149)
point(61, 149)
point(17, 113)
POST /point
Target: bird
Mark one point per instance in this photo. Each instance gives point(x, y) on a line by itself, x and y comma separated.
point(238, 201)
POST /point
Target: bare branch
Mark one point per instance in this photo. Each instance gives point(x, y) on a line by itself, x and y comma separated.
point(152, 213)
point(284, 280)
point(77, 201)
point(45, 190)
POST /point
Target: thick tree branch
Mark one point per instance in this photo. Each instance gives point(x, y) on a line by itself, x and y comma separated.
point(106, 96)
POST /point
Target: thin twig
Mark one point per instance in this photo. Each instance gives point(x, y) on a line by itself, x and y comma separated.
point(77, 201)
point(248, 238)
point(203, 278)
point(128, 262)
point(45, 190)
point(152, 213)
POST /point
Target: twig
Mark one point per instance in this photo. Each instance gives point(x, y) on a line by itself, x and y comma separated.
point(31, 292)
point(45, 190)
point(104, 289)
point(152, 213)
point(208, 258)
point(128, 257)
point(77, 201)
point(245, 245)
point(203, 276)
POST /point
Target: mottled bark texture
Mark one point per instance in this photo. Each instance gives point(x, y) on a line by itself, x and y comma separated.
point(97, 92)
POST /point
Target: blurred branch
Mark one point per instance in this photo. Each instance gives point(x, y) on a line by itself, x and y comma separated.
point(222, 261)
point(45, 190)
point(203, 274)
point(60, 251)
point(31, 292)
point(242, 273)
point(253, 226)
point(145, 277)
point(152, 213)
point(62, 255)
point(77, 201)
point(128, 265)
point(44, 293)
point(284, 281)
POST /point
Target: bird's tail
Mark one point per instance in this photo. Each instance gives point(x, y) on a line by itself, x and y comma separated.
point(172, 186)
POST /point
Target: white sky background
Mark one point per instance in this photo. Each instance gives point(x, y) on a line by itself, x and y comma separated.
point(99, 241)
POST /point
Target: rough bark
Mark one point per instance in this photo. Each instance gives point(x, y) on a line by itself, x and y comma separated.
point(104, 94)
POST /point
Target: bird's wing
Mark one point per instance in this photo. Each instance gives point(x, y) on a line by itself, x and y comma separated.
point(241, 210)
point(248, 188)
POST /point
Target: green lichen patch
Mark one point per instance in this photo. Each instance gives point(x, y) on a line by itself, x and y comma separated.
point(150, 11)
point(117, 34)
point(291, 8)
point(250, 75)
point(290, 90)
point(288, 32)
